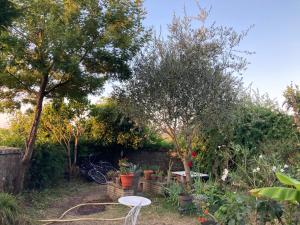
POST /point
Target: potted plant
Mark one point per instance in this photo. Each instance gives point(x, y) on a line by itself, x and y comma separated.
point(147, 173)
point(160, 175)
point(111, 175)
point(185, 199)
point(126, 174)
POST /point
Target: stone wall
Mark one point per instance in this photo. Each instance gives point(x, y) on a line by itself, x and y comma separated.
point(159, 158)
point(9, 167)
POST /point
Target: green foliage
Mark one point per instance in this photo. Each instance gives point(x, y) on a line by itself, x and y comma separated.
point(211, 194)
point(8, 12)
point(291, 194)
point(256, 124)
point(172, 192)
point(9, 209)
point(10, 212)
point(235, 210)
point(47, 167)
point(268, 211)
point(67, 45)
point(108, 125)
point(292, 100)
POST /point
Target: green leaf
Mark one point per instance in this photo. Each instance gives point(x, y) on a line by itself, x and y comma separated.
point(278, 193)
point(284, 179)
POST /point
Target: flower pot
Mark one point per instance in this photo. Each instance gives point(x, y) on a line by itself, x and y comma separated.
point(154, 177)
point(147, 174)
point(127, 180)
point(185, 200)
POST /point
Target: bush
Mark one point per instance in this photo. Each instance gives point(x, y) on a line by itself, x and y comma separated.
point(172, 192)
point(256, 124)
point(10, 213)
point(235, 210)
point(47, 166)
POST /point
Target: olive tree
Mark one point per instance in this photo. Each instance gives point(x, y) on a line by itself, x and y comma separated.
point(185, 82)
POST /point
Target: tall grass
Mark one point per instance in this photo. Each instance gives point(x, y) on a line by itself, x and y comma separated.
point(10, 213)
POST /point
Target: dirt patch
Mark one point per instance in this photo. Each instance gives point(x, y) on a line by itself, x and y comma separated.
point(90, 209)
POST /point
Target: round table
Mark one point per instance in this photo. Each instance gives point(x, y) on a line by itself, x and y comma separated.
point(134, 201)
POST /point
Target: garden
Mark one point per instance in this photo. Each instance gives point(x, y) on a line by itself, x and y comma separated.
point(179, 129)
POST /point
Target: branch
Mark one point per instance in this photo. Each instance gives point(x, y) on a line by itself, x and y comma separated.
point(20, 82)
point(56, 86)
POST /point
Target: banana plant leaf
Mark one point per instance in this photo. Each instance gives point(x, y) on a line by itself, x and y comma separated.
point(288, 180)
point(278, 193)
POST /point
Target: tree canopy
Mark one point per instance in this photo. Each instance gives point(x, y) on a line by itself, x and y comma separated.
point(8, 12)
point(181, 83)
point(66, 49)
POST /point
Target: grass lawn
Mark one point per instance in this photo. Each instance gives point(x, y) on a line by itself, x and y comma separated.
point(51, 203)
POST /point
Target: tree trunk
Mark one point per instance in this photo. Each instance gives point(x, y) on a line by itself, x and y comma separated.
point(68, 149)
point(187, 170)
point(75, 151)
point(32, 136)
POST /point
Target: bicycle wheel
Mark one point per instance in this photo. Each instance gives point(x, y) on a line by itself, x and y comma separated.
point(106, 167)
point(97, 176)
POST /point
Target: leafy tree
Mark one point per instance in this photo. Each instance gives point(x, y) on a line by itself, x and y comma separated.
point(292, 96)
point(65, 49)
point(109, 125)
point(186, 82)
point(8, 12)
point(66, 124)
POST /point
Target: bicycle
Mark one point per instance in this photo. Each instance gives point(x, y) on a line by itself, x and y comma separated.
point(96, 171)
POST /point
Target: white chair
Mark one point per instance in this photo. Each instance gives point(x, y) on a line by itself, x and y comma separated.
point(132, 216)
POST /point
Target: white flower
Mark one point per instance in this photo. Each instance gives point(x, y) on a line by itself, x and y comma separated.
point(285, 166)
point(260, 156)
point(282, 170)
point(274, 168)
point(225, 174)
point(257, 169)
point(219, 147)
point(254, 171)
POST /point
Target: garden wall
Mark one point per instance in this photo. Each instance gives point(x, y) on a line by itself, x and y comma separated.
point(9, 167)
point(159, 157)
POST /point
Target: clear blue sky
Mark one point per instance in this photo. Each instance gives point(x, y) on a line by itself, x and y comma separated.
point(275, 38)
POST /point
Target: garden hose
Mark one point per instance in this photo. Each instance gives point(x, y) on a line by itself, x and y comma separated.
point(60, 219)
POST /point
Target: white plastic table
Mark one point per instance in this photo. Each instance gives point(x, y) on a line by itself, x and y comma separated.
point(134, 201)
point(193, 174)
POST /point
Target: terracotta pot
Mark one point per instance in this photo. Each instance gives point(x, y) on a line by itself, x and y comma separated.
point(147, 174)
point(185, 200)
point(154, 177)
point(127, 180)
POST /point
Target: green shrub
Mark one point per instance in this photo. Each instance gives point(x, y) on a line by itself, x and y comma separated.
point(172, 192)
point(256, 124)
point(10, 213)
point(9, 210)
point(235, 210)
point(47, 166)
point(211, 193)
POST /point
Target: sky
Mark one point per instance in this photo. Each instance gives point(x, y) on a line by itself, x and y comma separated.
point(275, 37)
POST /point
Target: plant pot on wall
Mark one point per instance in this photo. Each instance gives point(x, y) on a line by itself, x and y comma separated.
point(127, 180)
point(147, 174)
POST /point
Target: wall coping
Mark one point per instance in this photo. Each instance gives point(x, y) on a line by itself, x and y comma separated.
point(9, 150)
